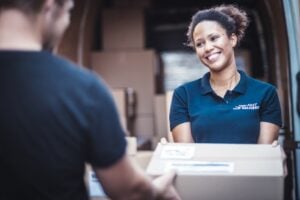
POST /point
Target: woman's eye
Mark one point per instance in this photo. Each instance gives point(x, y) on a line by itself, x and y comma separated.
point(214, 38)
point(199, 44)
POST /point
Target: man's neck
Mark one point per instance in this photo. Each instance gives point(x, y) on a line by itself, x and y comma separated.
point(18, 32)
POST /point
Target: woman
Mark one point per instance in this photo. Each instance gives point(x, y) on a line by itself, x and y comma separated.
point(225, 105)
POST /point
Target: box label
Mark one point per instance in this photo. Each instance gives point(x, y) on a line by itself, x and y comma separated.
point(178, 152)
point(200, 166)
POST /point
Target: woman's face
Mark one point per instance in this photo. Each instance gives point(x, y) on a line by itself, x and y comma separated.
point(213, 46)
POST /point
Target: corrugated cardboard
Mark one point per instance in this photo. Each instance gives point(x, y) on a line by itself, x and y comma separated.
point(133, 69)
point(119, 96)
point(123, 29)
point(222, 171)
point(160, 116)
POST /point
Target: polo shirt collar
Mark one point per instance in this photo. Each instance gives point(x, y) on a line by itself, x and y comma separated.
point(205, 87)
point(242, 85)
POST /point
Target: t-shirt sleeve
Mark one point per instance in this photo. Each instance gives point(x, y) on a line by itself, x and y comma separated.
point(106, 138)
point(179, 108)
point(270, 108)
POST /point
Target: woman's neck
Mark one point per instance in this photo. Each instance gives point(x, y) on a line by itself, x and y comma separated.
point(221, 82)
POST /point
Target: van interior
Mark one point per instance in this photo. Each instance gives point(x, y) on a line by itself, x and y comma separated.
point(139, 48)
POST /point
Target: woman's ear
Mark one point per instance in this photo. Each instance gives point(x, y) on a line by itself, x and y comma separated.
point(233, 40)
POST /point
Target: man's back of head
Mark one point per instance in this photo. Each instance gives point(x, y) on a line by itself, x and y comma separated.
point(28, 6)
point(33, 24)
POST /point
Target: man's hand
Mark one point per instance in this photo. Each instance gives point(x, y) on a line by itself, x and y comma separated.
point(164, 187)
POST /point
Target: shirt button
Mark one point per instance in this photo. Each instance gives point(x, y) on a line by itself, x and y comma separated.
point(226, 102)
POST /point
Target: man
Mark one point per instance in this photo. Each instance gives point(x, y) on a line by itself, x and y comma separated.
point(54, 117)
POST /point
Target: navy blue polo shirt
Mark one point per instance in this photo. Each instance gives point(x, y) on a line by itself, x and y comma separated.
point(54, 118)
point(233, 119)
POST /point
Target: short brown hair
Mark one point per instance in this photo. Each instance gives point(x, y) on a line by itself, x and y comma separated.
point(28, 6)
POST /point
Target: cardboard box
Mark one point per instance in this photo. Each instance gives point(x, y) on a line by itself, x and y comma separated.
point(133, 69)
point(119, 96)
point(222, 171)
point(160, 117)
point(123, 29)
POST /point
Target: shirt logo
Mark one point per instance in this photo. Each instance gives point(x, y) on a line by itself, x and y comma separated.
point(249, 106)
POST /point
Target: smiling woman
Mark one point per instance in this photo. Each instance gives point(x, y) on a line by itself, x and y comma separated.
point(215, 50)
point(225, 105)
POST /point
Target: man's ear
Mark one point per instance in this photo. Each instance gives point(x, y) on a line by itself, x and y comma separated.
point(48, 4)
point(233, 40)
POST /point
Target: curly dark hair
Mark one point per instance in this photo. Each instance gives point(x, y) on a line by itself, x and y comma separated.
point(230, 17)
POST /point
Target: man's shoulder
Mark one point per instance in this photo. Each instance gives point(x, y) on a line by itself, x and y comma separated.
point(68, 77)
point(44, 64)
point(68, 67)
point(74, 74)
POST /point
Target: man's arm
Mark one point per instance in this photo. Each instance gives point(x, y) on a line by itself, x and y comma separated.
point(125, 180)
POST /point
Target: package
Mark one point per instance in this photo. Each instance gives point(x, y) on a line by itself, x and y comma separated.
point(222, 171)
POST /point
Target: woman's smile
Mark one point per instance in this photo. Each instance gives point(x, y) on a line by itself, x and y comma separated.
point(212, 57)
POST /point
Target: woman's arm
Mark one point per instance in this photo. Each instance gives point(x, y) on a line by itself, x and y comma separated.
point(182, 133)
point(268, 133)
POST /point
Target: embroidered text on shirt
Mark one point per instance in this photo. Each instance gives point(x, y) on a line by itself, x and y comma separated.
point(249, 106)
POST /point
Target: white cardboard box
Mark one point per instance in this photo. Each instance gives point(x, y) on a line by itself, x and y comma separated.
point(222, 171)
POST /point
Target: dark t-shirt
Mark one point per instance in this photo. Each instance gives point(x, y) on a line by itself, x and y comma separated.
point(233, 119)
point(54, 117)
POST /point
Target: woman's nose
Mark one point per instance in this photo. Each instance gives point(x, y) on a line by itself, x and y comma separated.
point(208, 46)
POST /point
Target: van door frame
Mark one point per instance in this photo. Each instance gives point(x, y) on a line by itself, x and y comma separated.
point(291, 10)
